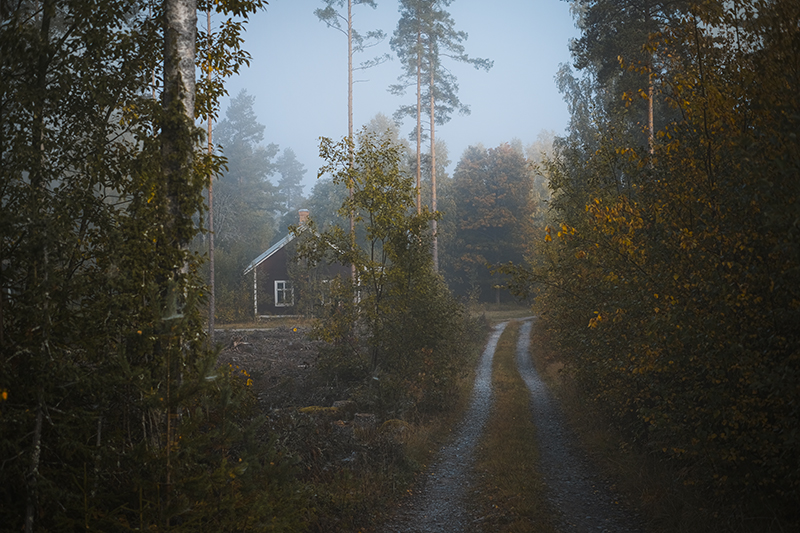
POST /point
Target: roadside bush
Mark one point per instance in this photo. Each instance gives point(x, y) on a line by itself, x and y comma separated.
point(669, 284)
point(398, 338)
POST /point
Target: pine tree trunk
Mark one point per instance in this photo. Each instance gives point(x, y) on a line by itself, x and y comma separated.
point(651, 138)
point(433, 176)
point(353, 275)
point(419, 122)
point(212, 303)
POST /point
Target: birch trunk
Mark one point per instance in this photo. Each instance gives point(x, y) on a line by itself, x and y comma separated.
point(40, 266)
point(180, 33)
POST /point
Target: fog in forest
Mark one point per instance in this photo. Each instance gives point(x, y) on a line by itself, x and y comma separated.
point(298, 74)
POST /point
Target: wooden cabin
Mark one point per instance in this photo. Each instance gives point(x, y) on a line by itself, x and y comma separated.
point(275, 292)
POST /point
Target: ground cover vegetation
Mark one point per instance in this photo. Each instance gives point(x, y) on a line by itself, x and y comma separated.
point(667, 275)
point(356, 465)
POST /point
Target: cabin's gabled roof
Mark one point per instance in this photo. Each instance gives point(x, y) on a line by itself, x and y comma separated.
point(270, 252)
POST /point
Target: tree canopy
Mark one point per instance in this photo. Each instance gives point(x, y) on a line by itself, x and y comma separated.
point(668, 275)
point(112, 415)
point(492, 197)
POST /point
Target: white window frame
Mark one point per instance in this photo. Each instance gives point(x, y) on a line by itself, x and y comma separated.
point(282, 289)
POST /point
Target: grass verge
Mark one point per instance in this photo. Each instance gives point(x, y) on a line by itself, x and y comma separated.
point(509, 495)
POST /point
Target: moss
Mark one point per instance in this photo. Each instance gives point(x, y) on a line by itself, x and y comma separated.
point(316, 410)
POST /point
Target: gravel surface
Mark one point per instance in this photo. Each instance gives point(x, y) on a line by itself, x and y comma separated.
point(438, 505)
point(585, 502)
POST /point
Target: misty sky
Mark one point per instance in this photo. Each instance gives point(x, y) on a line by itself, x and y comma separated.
point(298, 74)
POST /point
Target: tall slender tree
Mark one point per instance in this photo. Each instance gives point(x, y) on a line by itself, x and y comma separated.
point(177, 151)
point(220, 56)
point(407, 43)
point(356, 42)
point(212, 282)
point(425, 35)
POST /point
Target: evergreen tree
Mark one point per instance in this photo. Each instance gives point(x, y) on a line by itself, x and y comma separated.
point(220, 56)
point(246, 203)
point(246, 199)
point(619, 44)
point(290, 184)
point(356, 42)
point(425, 35)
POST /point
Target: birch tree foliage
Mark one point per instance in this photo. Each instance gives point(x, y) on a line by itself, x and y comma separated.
point(401, 344)
point(220, 50)
point(92, 248)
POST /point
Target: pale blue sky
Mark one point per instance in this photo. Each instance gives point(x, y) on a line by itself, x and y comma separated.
point(298, 74)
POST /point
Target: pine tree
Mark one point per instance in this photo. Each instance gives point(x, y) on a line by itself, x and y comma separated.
point(290, 184)
point(356, 42)
point(425, 34)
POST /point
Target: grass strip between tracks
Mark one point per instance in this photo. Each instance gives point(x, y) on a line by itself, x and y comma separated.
point(509, 494)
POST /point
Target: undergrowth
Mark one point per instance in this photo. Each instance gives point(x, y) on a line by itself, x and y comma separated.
point(656, 487)
point(356, 465)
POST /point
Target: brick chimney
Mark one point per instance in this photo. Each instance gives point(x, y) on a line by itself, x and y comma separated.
point(303, 214)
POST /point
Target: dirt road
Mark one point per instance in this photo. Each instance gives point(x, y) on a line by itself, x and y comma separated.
point(585, 502)
point(438, 505)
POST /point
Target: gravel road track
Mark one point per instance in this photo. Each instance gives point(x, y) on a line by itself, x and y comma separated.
point(438, 505)
point(584, 501)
